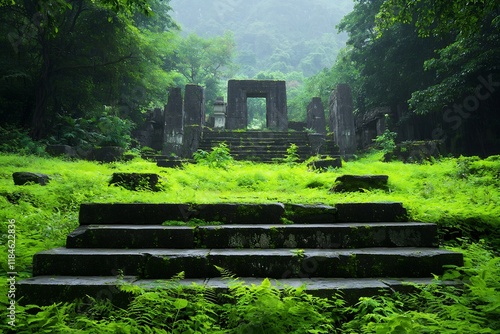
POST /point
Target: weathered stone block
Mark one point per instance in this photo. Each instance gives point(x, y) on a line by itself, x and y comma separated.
point(191, 140)
point(132, 213)
point(415, 151)
point(310, 214)
point(350, 183)
point(194, 264)
point(106, 154)
point(136, 181)
point(316, 143)
point(135, 236)
point(174, 123)
point(229, 213)
point(371, 212)
point(194, 105)
point(325, 164)
point(22, 178)
point(170, 163)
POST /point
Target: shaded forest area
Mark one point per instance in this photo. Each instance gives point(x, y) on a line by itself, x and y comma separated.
point(84, 73)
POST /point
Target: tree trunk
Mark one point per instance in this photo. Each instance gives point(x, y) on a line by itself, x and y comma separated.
point(42, 92)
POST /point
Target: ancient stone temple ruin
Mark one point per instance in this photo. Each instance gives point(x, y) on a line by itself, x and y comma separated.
point(181, 128)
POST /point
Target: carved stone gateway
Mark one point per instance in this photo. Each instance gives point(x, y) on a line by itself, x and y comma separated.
point(273, 91)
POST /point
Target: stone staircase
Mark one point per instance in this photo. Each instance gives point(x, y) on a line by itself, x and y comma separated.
point(358, 249)
point(262, 146)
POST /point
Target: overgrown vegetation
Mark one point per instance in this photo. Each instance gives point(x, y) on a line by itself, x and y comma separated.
point(460, 194)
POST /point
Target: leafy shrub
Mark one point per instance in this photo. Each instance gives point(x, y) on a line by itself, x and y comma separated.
point(13, 140)
point(291, 156)
point(101, 129)
point(219, 157)
point(386, 141)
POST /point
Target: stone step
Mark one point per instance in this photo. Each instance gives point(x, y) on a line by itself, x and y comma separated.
point(254, 134)
point(46, 290)
point(272, 263)
point(258, 148)
point(255, 139)
point(324, 236)
point(230, 213)
point(156, 214)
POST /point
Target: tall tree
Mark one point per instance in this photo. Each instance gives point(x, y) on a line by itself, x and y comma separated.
point(205, 61)
point(471, 56)
point(391, 65)
point(62, 44)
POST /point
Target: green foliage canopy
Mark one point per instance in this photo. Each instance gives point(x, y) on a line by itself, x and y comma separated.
point(206, 61)
point(73, 57)
point(472, 51)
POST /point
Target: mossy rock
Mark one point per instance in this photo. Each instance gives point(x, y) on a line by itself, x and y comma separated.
point(360, 183)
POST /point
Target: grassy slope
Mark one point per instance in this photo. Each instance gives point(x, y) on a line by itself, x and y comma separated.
point(451, 192)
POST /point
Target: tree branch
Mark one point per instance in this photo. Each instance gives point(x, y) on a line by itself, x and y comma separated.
point(79, 67)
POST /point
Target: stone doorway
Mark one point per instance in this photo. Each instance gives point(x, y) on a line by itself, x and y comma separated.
point(273, 91)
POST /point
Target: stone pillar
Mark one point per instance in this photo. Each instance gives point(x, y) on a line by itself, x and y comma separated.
point(194, 105)
point(194, 118)
point(237, 117)
point(174, 123)
point(342, 120)
point(158, 130)
point(316, 116)
point(276, 109)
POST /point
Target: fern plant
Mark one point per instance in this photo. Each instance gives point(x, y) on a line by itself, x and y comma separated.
point(291, 156)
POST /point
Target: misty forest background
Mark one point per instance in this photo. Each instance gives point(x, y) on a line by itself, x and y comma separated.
point(84, 73)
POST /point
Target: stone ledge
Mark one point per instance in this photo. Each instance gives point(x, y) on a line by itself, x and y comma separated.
point(46, 290)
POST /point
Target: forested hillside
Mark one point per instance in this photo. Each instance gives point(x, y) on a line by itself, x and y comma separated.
point(270, 35)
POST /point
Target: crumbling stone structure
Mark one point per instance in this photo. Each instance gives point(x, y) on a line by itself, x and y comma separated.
point(178, 129)
point(370, 125)
point(273, 91)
